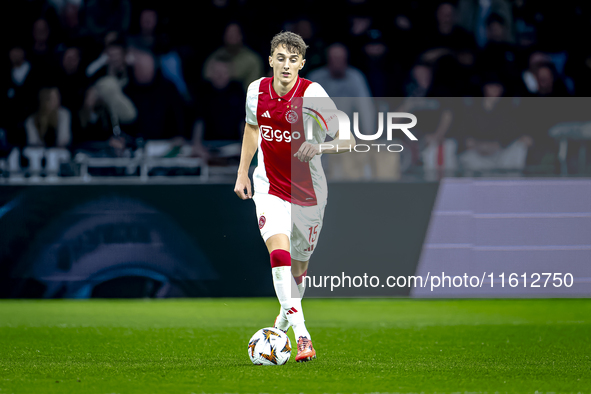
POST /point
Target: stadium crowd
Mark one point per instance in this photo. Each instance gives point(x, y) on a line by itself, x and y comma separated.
point(73, 69)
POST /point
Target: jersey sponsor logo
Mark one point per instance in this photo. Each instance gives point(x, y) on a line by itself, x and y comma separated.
point(291, 116)
point(262, 221)
point(271, 135)
point(266, 115)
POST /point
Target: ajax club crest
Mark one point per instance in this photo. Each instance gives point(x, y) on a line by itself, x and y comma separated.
point(291, 116)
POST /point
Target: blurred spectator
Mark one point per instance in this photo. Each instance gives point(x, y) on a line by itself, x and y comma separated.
point(20, 84)
point(472, 15)
point(219, 14)
point(148, 23)
point(41, 54)
point(549, 82)
point(93, 127)
point(341, 80)
point(111, 62)
point(435, 121)
point(120, 106)
point(149, 36)
point(421, 76)
point(68, 12)
point(315, 51)
point(439, 125)
point(218, 130)
point(382, 70)
point(536, 59)
point(103, 16)
point(493, 141)
point(348, 87)
point(496, 29)
point(247, 65)
point(531, 47)
point(71, 80)
point(159, 105)
point(337, 77)
point(447, 33)
point(542, 71)
point(50, 126)
point(499, 55)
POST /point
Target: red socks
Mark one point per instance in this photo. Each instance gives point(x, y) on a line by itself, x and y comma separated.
point(280, 258)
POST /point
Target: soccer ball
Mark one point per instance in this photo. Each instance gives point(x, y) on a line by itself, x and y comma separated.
point(269, 346)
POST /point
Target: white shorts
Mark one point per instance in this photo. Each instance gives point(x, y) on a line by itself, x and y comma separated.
point(301, 224)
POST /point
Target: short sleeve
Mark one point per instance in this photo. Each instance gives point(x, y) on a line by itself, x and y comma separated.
point(321, 108)
point(252, 100)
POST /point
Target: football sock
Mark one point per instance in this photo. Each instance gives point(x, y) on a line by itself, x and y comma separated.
point(282, 323)
point(287, 291)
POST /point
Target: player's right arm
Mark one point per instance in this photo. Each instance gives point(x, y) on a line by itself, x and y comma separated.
point(249, 146)
point(250, 141)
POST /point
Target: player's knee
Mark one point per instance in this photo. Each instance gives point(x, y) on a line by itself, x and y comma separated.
point(277, 241)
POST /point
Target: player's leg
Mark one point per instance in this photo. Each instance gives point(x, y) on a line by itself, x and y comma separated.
point(307, 225)
point(304, 238)
point(286, 288)
point(274, 243)
point(271, 216)
point(299, 269)
point(306, 351)
point(274, 218)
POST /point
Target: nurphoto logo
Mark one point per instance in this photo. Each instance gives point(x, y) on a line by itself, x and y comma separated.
point(345, 130)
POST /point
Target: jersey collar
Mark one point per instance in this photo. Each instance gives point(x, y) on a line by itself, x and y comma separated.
point(288, 96)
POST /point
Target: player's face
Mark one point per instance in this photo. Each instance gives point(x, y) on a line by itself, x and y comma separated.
point(286, 64)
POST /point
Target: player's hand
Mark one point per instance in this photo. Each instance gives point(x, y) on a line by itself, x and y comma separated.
point(307, 151)
point(242, 188)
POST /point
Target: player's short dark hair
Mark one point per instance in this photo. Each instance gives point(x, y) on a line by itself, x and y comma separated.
point(292, 41)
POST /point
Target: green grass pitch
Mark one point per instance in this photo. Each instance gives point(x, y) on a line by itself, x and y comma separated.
point(374, 345)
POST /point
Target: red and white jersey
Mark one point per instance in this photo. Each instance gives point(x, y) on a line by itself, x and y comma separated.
point(283, 127)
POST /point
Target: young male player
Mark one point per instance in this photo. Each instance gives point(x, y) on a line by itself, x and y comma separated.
point(289, 183)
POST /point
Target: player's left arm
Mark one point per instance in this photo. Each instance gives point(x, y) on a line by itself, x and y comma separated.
point(338, 145)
